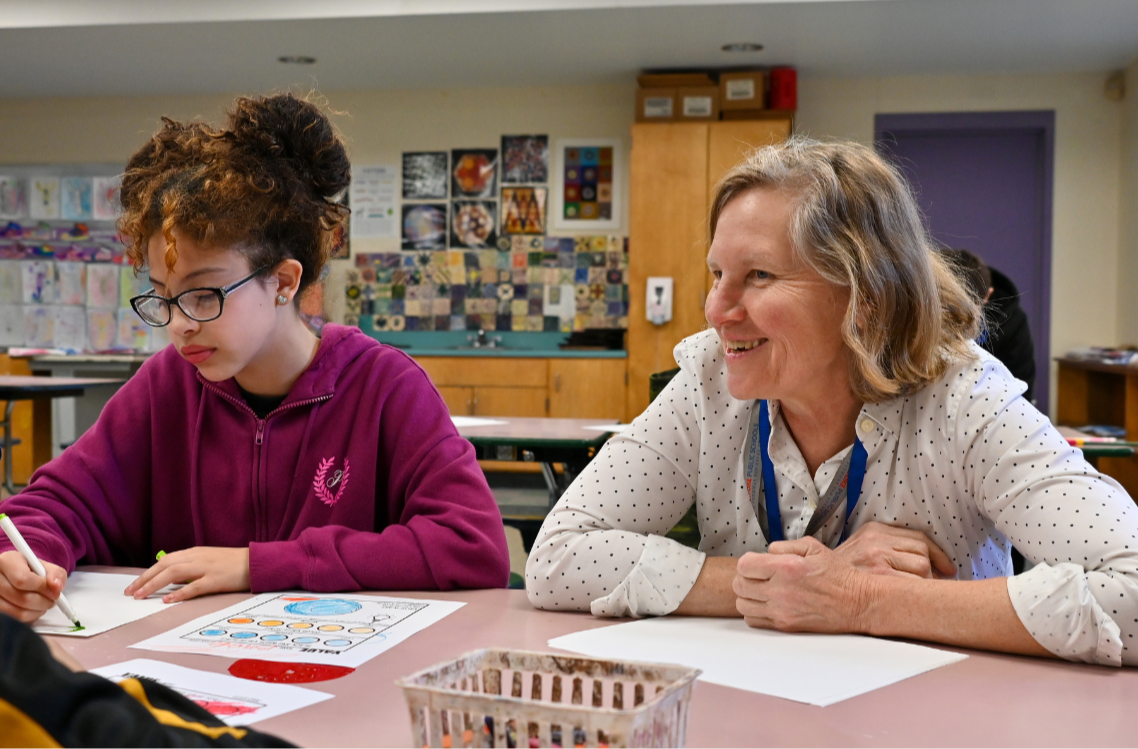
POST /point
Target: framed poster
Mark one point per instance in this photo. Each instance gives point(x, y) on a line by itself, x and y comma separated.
point(586, 185)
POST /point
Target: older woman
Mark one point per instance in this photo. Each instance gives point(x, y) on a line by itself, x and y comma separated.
point(848, 447)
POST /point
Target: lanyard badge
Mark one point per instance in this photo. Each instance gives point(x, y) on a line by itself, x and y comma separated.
point(846, 484)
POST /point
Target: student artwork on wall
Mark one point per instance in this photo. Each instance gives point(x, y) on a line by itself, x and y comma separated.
point(474, 173)
point(472, 224)
point(525, 159)
point(105, 198)
point(75, 198)
point(425, 175)
point(43, 201)
point(341, 244)
point(586, 184)
point(102, 329)
point(523, 210)
point(424, 226)
point(13, 203)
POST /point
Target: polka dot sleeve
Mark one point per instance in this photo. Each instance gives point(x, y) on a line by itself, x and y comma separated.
point(602, 548)
point(1078, 527)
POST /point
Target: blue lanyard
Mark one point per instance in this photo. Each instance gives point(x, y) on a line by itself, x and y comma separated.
point(852, 480)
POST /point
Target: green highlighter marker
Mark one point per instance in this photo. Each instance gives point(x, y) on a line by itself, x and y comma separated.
point(21, 545)
point(159, 555)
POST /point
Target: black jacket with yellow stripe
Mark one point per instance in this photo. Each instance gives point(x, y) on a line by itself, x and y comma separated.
point(42, 703)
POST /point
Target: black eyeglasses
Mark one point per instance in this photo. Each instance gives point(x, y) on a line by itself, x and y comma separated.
point(202, 305)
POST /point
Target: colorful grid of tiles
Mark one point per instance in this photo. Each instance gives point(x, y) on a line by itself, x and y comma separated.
point(494, 289)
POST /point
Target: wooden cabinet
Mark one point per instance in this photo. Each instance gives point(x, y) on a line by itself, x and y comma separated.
point(31, 424)
point(587, 388)
point(523, 386)
point(674, 169)
point(1096, 393)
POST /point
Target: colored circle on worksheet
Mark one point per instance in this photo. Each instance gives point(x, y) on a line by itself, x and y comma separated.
point(337, 643)
point(243, 635)
point(330, 627)
point(306, 640)
point(300, 625)
point(212, 632)
point(273, 638)
point(240, 620)
point(361, 630)
point(271, 623)
point(323, 607)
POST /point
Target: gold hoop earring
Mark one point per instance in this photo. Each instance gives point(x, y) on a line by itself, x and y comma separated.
point(282, 300)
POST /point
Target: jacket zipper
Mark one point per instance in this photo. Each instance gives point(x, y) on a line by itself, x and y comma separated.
point(259, 441)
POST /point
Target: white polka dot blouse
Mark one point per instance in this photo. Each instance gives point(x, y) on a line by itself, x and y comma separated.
point(966, 460)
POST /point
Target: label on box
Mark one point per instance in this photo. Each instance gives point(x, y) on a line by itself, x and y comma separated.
point(740, 89)
point(697, 106)
point(657, 106)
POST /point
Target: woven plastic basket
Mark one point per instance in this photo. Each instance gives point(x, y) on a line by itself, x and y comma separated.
point(516, 698)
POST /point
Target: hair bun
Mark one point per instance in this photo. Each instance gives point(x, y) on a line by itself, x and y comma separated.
point(295, 131)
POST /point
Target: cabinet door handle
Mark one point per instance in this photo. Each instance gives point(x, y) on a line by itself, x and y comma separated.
point(474, 406)
point(557, 383)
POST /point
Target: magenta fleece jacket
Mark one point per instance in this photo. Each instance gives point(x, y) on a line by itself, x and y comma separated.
point(358, 480)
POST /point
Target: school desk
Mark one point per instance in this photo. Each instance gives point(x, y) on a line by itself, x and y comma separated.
point(17, 388)
point(538, 440)
point(984, 700)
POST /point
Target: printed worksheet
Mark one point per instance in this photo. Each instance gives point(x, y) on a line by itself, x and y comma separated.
point(339, 629)
point(237, 702)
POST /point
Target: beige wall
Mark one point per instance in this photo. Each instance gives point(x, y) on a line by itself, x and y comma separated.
point(378, 125)
point(1128, 211)
point(1096, 152)
point(1088, 146)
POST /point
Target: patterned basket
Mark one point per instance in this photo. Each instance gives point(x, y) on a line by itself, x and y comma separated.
point(515, 698)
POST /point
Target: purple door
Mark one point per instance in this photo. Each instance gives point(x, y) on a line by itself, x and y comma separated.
point(983, 181)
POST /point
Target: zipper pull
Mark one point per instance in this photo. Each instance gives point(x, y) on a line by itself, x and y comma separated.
point(260, 431)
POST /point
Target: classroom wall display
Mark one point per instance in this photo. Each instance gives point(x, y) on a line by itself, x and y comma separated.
point(586, 184)
point(424, 226)
point(474, 173)
point(523, 210)
point(13, 197)
point(525, 159)
point(503, 288)
point(472, 223)
point(43, 200)
point(425, 175)
point(105, 198)
point(75, 198)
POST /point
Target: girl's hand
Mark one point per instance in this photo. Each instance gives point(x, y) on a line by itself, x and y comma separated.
point(805, 587)
point(204, 569)
point(24, 595)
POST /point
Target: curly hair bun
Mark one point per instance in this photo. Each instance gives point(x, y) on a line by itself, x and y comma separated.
point(284, 127)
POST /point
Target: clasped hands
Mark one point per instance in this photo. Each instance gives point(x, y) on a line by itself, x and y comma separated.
point(803, 586)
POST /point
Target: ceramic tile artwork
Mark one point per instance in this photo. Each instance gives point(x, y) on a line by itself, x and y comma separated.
point(491, 288)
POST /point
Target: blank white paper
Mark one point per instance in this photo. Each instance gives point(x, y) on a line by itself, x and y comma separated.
point(811, 668)
point(237, 702)
point(98, 600)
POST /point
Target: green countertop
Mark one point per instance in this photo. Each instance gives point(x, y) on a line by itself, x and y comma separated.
point(510, 344)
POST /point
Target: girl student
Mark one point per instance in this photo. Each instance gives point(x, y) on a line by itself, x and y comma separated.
point(260, 456)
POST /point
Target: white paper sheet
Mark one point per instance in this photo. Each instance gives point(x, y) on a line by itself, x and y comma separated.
point(237, 702)
point(338, 629)
point(471, 421)
point(374, 200)
point(810, 668)
point(614, 428)
point(98, 600)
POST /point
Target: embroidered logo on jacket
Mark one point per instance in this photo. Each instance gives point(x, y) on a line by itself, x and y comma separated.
point(324, 484)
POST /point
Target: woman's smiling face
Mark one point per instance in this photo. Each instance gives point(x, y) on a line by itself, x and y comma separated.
point(778, 320)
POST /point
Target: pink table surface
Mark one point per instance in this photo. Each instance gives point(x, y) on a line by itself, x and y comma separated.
point(984, 700)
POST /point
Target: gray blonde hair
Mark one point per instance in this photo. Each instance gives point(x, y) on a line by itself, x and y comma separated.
point(855, 222)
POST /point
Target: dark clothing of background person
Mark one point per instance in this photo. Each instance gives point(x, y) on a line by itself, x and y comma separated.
point(1009, 337)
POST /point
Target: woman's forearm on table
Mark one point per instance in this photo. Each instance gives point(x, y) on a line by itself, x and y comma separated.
point(712, 594)
point(972, 614)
